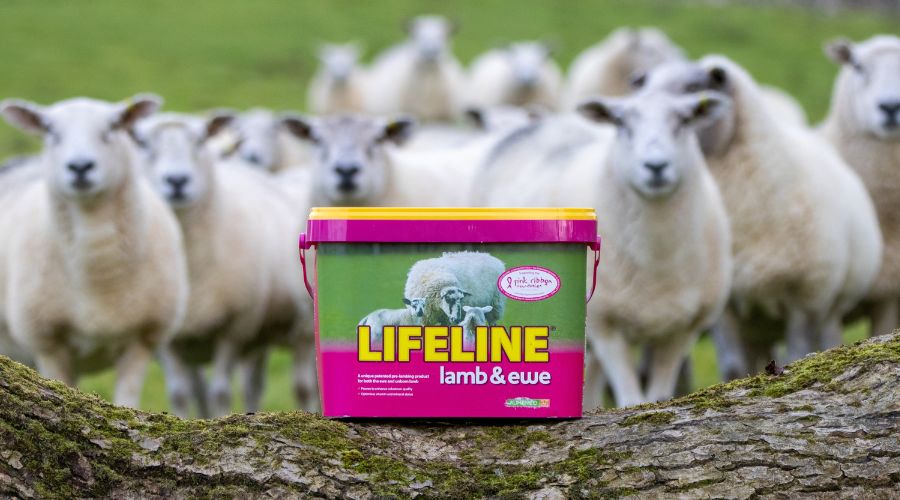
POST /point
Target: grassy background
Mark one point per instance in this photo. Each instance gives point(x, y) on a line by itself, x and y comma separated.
point(202, 54)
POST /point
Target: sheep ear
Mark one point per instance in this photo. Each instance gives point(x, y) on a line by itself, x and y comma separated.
point(476, 117)
point(137, 108)
point(551, 47)
point(407, 301)
point(703, 109)
point(718, 77)
point(453, 25)
point(467, 308)
point(487, 309)
point(465, 292)
point(409, 25)
point(397, 131)
point(637, 79)
point(24, 115)
point(301, 127)
point(840, 51)
point(218, 122)
point(602, 111)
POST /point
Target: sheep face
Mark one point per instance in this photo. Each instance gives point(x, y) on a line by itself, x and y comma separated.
point(86, 142)
point(416, 306)
point(526, 60)
point(451, 303)
point(872, 75)
point(352, 164)
point(474, 316)
point(339, 61)
point(656, 147)
point(430, 35)
point(257, 131)
point(683, 77)
point(179, 162)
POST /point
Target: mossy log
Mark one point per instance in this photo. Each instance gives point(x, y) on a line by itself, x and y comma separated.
point(829, 426)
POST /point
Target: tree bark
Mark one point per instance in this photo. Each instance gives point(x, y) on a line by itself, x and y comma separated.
point(828, 426)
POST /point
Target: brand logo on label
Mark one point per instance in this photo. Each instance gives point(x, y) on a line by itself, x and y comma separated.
point(523, 402)
point(529, 283)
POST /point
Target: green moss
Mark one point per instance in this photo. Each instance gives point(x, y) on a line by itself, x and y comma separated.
point(511, 441)
point(652, 418)
point(816, 370)
point(309, 429)
point(824, 368)
point(585, 464)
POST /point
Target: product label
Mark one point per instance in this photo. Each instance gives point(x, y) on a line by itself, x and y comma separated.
point(428, 330)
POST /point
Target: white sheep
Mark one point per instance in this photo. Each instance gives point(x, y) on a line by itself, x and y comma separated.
point(617, 66)
point(257, 139)
point(608, 67)
point(666, 237)
point(783, 105)
point(474, 317)
point(420, 76)
point(520, 74)
point(357, 163)
point(338, 85)
point(15, 175)
point(864, 126)
point(454, 280)
point(97, 278)
point(409, 315)
point(239, 240)
point(806, 240)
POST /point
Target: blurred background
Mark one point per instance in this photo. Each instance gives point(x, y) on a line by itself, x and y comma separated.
point(207, 54)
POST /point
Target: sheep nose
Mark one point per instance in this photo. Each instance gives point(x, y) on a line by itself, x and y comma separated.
point(347, 171)
point(656, 167)
point(81, 166)
point(177, 181)
point(891, 109)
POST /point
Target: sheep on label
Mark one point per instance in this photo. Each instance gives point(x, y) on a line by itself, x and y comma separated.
point(409, 315)
point(474, 317)
point(97, 279)
point(453, 281)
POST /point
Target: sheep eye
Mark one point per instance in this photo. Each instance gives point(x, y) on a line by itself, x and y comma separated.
point(53, 136)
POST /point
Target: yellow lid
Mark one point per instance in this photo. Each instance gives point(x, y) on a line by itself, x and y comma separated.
point(449, 213)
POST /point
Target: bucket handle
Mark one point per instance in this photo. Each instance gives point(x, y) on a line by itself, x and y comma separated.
point(304, 246)
point(595, 246)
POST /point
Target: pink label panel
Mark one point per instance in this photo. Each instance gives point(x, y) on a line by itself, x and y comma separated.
point(426, 389)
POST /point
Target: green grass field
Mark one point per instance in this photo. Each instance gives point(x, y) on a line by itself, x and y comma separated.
point(228, 53)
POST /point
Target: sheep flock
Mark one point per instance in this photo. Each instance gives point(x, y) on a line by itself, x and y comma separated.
point(136, 234)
